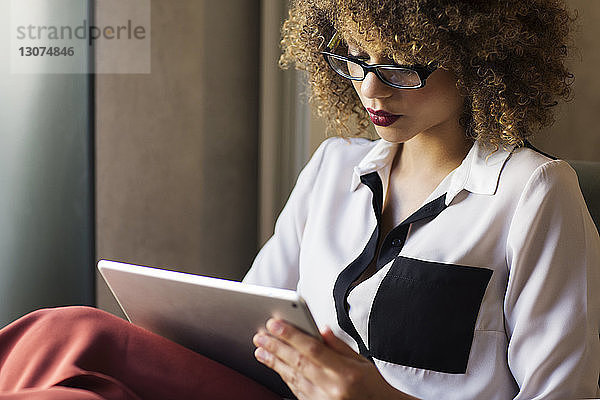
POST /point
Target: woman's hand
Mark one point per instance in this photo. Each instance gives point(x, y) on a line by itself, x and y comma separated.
point(320, 370)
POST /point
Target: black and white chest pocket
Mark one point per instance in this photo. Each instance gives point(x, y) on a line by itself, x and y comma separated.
point(424, 314)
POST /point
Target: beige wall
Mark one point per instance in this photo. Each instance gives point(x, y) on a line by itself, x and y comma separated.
point(177, 151)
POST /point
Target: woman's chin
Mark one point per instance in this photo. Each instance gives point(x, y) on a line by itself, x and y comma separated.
point(393, 135)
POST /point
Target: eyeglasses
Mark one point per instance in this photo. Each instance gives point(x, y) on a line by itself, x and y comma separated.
point(397, 76)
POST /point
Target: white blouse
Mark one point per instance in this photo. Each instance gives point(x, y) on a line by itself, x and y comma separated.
point(491, 290)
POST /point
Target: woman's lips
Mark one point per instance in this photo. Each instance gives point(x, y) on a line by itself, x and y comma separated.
point(382, 118)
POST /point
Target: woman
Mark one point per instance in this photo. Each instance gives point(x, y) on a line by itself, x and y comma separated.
point(448, 259)
point(458, 261)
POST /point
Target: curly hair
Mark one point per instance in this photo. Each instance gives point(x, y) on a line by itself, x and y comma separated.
point(508, 56)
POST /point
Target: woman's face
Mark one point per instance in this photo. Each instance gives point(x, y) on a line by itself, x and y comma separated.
point(431, 110)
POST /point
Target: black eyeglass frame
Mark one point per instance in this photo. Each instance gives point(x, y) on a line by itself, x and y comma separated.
point(422, 71)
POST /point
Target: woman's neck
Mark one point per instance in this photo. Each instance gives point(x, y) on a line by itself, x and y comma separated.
point(431, 155)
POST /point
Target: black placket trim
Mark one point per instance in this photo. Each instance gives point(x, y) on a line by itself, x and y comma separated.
point(353, 271)
point(393, 243)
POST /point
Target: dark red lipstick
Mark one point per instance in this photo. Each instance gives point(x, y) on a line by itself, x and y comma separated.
point(382, 118)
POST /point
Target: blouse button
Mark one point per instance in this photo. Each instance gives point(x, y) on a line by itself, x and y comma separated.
point(396, 242)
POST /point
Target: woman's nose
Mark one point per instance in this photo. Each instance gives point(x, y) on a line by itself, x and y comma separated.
point(372, 87)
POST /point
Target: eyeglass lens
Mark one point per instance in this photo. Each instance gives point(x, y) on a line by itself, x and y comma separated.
point(393, 75)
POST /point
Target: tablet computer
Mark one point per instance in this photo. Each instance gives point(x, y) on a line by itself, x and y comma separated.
point(214, 317)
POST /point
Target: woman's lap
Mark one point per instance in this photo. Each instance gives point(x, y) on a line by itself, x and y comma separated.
point(50, 352)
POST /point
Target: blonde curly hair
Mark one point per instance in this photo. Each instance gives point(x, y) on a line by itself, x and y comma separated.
point(508, 56)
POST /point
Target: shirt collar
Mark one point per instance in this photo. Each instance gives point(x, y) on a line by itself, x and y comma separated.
point(478, 173)
point(379, 159)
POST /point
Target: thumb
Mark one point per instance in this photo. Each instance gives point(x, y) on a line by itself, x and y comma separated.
point(336, 343)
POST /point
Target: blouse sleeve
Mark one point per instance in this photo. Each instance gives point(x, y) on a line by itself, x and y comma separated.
point(552, 302)
point(276, 265)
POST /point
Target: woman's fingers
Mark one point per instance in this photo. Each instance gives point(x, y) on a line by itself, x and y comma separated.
point(275, 351)
point(337, 344)
point(310, 347)
point(269, 352)
point(315, 369)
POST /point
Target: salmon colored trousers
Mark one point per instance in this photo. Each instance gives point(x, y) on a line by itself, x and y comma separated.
point(86, 354)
